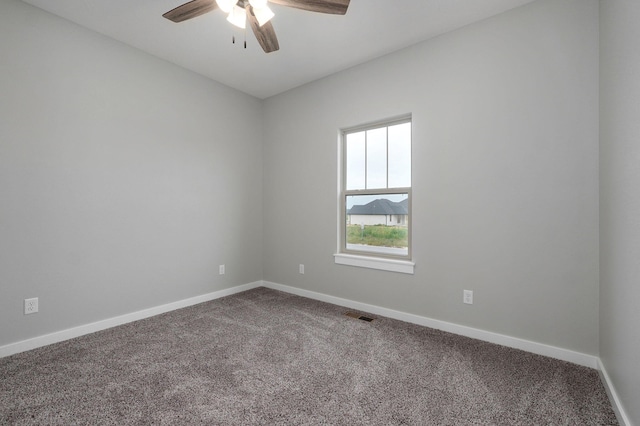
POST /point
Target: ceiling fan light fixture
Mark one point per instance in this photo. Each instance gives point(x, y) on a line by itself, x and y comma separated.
point(238, 17)
point(226, 5)
point(263, 14)
point(256, 12)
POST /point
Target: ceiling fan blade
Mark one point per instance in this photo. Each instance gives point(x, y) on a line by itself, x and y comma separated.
point(190, 10)
point(334, 7)
point(265, 34)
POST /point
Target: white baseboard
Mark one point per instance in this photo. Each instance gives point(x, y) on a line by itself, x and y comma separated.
point(500, 339)
point(513, 342)
point(59, 336)
point(621, 414)
point(487, 336)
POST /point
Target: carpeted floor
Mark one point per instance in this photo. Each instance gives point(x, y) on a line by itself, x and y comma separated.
point(265, 357)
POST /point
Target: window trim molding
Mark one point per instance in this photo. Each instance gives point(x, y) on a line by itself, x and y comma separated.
point(344, 256)
point(371, 262)
point(399, 119)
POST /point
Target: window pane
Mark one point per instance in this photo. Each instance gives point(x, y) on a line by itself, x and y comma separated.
point(400, 155)
point(377, 158)
point(355, 161)
point(378, 223)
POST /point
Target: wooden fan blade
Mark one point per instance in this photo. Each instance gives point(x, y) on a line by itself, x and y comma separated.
point(265, 34)
point(334, 7)
point(190, 10)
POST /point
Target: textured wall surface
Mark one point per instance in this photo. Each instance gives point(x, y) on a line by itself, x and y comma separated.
point(119, 180)
point(505, 175)
point(620, 199)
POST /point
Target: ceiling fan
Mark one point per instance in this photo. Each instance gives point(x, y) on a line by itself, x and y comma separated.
point(256, 12)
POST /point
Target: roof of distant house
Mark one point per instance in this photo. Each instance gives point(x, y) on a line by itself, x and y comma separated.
point(381, 206)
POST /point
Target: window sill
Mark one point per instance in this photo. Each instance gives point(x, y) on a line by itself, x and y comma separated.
point(392, 265)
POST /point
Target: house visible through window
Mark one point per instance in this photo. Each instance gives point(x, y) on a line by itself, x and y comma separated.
point(376, 190)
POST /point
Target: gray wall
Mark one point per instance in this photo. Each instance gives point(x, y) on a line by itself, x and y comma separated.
point(620, 199)
point(137, 202)
point(505, 175)
point(119, 180)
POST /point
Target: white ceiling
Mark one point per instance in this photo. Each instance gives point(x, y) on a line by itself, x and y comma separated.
point(312, 45)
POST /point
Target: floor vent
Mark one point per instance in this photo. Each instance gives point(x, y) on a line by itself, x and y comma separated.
point(358, 316)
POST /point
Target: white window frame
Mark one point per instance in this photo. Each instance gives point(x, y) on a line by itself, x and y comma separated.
point(345, 256)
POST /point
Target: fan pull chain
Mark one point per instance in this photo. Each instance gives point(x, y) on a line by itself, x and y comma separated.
point(233, 38)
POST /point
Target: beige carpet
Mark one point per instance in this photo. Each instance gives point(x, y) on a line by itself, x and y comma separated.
point(269, 358)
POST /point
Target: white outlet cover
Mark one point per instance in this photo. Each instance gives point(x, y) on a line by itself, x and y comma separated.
point(221, 269)
point(301, 269)
point(30, 306)
point(467, 297)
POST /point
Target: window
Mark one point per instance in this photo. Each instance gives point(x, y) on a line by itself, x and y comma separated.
point(375, 195)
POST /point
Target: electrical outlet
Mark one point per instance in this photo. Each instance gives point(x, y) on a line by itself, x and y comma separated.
point(301, 268)
point(30, 306)
point(221, 269)
point(467, 297)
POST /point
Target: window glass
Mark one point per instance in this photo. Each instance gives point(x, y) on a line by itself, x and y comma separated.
point(400, 155)
point(377, 158)
point(376, 190)
point(355, 159)
point(378, 223)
